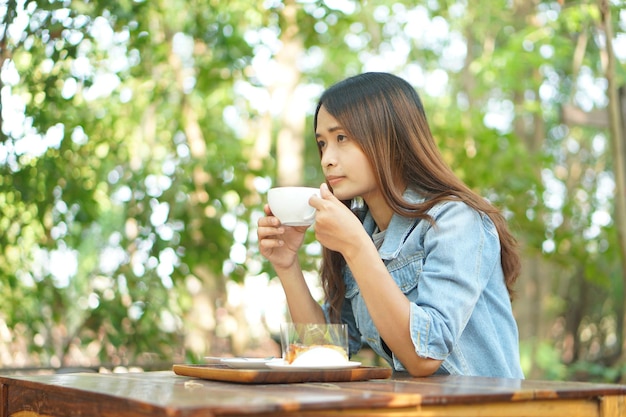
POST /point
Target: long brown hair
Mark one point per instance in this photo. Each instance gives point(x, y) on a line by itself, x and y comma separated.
point(384, 114)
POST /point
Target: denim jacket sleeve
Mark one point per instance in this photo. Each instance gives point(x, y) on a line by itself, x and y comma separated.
point(461, 251)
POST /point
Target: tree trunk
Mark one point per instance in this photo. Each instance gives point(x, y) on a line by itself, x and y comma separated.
point(617, 121)
point(538, 276)
point(290, 140)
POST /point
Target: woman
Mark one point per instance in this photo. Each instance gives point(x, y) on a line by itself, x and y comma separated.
point(425, 274)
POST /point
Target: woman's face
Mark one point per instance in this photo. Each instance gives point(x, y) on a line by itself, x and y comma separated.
point(345, 166)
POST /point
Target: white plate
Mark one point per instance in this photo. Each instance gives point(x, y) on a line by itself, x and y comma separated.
point(250, 363)
point(280, 364)
point(245, 363)
point(213, 359)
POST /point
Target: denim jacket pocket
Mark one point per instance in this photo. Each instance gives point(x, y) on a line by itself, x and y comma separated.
point(407, 271)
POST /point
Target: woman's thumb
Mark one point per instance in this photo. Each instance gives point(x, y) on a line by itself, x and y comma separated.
point(325, 191)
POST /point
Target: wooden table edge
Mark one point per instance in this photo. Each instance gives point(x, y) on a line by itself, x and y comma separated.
point(608, 400)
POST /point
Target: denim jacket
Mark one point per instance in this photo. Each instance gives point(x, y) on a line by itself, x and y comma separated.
point(452, 274)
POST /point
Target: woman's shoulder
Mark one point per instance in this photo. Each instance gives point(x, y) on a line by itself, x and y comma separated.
point(452, 206)
point(442, 205)
point(460, 214)
point(460, 219)
point(449, 209)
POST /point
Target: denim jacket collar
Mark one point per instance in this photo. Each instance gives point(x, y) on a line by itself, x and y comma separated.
point(398, 230)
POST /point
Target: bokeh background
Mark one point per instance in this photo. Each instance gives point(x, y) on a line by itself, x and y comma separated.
point(139, 138)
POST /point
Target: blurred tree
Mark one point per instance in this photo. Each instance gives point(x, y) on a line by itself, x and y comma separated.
point(117, 191)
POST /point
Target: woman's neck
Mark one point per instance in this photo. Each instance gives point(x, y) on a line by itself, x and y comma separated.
point(380, 211)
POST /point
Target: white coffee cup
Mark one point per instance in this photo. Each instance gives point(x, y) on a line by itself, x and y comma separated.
point(291, 205)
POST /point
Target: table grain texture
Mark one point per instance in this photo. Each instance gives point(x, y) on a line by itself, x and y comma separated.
point(167, 394)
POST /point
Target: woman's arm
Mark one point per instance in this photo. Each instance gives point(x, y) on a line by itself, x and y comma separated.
point(338, 229)
point(303, 308)
point(280, 245)
point(388, 306)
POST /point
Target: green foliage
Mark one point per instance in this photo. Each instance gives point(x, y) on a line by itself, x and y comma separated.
point(122, 158)
point(547, 359)
point(596, 372)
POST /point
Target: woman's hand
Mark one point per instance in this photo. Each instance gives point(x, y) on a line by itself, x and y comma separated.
point(278, 243)
point(336, 226)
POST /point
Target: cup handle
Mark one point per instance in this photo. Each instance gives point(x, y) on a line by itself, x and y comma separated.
point(310, 216)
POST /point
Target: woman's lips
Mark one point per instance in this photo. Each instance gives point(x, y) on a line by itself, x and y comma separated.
point(332, 181)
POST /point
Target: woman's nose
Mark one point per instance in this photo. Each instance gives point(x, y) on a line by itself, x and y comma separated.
point(328, 158)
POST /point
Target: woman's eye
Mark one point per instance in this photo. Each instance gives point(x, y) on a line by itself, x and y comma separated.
point(341, 138)
point(321, 144)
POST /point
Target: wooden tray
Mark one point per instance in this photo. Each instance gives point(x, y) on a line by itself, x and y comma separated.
point(220, 372)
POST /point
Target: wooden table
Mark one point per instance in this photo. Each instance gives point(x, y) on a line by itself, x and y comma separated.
point(167, 394)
